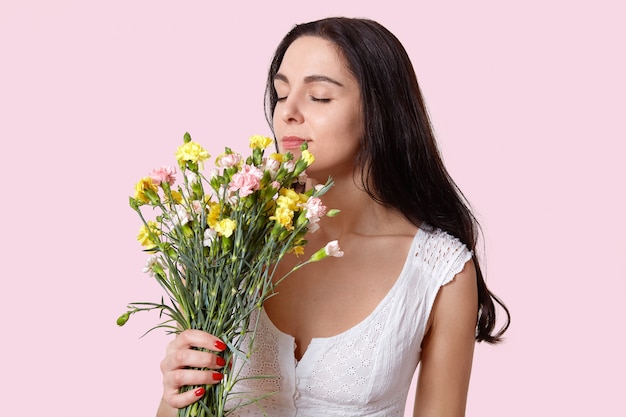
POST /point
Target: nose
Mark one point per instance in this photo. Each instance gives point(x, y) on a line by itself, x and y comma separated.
point(289, 110)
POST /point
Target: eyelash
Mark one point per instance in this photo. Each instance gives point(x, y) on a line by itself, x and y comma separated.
point(319, 100)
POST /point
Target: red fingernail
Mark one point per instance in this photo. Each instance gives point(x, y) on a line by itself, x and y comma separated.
point(220, 361)
point(220, 345)
point(199, 392)
point(217, 376)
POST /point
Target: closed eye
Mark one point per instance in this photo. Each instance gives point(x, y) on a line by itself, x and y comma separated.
point(321, 100)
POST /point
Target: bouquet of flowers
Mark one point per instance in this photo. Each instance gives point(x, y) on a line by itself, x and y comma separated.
point(215, 243)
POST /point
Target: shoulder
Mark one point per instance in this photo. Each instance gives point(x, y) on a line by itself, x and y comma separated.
point(440, 254)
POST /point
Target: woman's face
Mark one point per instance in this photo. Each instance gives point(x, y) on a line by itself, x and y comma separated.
point(319, 102)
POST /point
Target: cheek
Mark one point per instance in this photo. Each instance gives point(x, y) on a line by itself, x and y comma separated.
point(350, 126)
point(277, 126)
point(344, 121)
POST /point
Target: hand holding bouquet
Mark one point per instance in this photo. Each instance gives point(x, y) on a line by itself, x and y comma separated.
point(215, 249)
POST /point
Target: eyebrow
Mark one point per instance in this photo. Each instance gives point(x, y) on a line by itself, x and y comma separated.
point(309, 79)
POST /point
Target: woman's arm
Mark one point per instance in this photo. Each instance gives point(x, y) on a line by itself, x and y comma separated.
point(180, 356)
point(448, 348)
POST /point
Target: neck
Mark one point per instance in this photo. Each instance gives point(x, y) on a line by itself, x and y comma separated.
point(360, 214)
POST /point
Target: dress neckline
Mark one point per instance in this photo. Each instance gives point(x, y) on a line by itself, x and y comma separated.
point(356, 327)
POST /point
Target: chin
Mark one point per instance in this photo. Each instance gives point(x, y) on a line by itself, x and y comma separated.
point(317, 176)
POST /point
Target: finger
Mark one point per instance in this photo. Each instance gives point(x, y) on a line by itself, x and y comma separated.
point(186, 377)
point(199, 339)
point(180, 400)
point(182, 358)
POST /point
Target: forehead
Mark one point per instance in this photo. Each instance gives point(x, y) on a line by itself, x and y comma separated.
point(313, 55)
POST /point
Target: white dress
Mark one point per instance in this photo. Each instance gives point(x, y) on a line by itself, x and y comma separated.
point(366, 370)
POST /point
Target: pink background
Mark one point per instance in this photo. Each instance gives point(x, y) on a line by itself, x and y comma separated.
point(528, 104)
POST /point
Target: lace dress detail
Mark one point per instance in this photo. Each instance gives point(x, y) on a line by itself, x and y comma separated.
point(366, 370)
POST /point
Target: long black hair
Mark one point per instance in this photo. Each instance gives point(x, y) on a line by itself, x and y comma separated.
point(398, 138)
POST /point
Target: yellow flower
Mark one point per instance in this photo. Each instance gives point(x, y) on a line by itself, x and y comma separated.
point(144, 234)
point(284, 216)
point(177, 197)
point(285, 202)
point(298, 250)
point(288, 199)
point(214, 214)
point(225, 227)
point(261, 142)
point(191, 151)
point(142, 186)
point(308, 157)
point(278, 157)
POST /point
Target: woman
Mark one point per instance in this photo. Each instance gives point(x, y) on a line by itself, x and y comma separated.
point(345, 335)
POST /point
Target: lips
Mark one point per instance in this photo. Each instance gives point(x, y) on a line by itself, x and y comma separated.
point(292, 142)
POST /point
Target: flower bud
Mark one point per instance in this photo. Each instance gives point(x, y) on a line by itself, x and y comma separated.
point(152, 196)
point(123, 319)
point(134, 204)
point(331, 249)
point(332, 212)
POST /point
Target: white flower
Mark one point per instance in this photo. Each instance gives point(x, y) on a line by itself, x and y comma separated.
point(192, 178)
point(226, 195)
point(153, 260)
point(209, 237)
point(332, 249)
point(302, 178)
point(272, 166)
point(313, 227)
point(289, 166)
point(181, 216)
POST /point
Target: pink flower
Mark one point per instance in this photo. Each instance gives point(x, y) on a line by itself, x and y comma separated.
point(163, 174)
point(196, 206)
point(314, 209)
point(251, 169)
point(229, 160)
point(276, 186)
point(246, 181)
